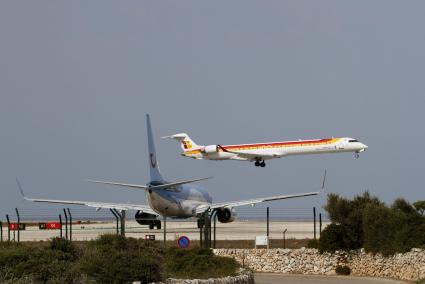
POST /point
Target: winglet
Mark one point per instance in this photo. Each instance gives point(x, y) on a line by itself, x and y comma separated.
point(21, 191)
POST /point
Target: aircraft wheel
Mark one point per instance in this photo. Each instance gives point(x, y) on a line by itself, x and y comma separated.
point(257, 164)
point(262, 164)
point(151, 226)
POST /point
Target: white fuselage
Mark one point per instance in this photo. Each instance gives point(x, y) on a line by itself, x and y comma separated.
point(272, 150)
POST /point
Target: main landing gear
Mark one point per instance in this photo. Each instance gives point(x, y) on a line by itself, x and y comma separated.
point(260, 163)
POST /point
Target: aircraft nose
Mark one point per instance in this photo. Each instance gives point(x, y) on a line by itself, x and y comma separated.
point(364, 146)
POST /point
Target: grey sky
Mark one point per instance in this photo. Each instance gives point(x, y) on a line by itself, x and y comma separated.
point(77, 77)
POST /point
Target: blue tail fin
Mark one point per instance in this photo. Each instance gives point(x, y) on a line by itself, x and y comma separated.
point(155, 174)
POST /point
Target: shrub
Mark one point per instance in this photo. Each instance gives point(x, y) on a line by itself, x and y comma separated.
point(332, 238)
point(343, 270)
point(198, 263)
point(117, 259)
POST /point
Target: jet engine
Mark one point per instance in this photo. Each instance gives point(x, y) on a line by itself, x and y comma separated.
point(226, 215)
point(147, 219)
point(210, 149)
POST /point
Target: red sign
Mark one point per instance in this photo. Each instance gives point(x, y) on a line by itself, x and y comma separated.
point(16, 226)
point(53, 225)
point(49, 226)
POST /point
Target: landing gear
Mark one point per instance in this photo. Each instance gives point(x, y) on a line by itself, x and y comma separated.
point(356, 155)
point(259, 163)
point(155, 223)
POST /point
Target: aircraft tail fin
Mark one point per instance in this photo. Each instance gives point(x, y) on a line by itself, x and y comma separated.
point(155, 174)
point(186, 143)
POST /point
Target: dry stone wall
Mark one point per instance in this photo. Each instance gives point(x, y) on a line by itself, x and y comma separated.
point(407, 266)
point(243, 277)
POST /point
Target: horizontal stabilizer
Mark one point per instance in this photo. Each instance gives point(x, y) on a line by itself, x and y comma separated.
point(167, 186)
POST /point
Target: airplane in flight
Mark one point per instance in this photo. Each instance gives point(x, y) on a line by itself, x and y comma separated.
point(178, 199)
point(261, 152)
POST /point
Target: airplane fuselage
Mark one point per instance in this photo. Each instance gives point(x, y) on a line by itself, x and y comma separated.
point(180, 203)
point(278, 149)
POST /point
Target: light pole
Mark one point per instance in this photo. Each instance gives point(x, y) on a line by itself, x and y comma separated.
point(284, 239)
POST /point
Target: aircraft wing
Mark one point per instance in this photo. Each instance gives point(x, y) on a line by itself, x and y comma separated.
point(97, 205)
point(254, 201)
point(253, 154)
point(167, 186)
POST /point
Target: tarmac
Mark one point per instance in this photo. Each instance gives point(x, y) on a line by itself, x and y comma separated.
point(276, 278)
point(237, 230)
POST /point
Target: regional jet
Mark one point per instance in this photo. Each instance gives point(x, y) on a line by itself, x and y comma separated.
point(261, 152)
point(179, 199)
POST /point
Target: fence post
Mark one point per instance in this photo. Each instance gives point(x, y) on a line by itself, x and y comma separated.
point(60, 221)
point(314, 218)
point(66, 224)
point(19, 225)
point(320, 224)
point(116, 218)
point(70, 224)
point(1, 231)
point(8, 227)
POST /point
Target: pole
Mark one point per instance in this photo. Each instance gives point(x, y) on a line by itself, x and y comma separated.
point(268, 220)
point(19, 224)
point(320, 224)
point(70, 224)
point(122, 222)
point(60, 221)
point(66, 224)
point(165, 231)
point(314, 218)
point(215, 223)
point(201, 226)
point(284, 238)
point(1, 231)
point(116, 218)
point(8, 228)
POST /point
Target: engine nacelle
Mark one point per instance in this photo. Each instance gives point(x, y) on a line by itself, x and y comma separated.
point(144, 218)
point(210, 149)
point(226, 215)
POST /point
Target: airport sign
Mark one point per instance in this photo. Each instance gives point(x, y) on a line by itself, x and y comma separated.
point(183, 242)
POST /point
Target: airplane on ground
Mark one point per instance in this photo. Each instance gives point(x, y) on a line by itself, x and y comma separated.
point(261, 152)
point(170, 199)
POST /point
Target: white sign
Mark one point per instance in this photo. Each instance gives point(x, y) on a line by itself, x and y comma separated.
point(261, 240)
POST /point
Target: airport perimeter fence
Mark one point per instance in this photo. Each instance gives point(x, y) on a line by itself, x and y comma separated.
point(88, 223)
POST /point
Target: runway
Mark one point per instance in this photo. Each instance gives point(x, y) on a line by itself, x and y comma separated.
point(275, 278)
point(238, 230)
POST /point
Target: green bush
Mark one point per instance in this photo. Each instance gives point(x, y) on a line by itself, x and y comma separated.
point(342, 270)
point(118, 259)
point(333, 238)
point(198, 263)
point(367, 222)
point(18, 261)
point(108, 259)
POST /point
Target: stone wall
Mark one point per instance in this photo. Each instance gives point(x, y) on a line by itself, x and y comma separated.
point(407, 266)
point(243, 277)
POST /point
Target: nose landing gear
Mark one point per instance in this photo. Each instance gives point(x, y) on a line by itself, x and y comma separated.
point(260, 163)
point(356, 155)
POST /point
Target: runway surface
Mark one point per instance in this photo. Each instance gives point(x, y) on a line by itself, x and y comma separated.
point(275, 278)
point(238, 230)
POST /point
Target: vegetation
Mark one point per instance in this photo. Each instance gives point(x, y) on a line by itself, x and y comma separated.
point(193, 263)
point(108, 259)
point(342, 270)
point(367, 222)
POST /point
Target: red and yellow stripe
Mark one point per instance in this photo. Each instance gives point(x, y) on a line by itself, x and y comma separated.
point(283, 144)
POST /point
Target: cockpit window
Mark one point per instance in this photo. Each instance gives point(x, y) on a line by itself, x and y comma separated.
point(352, 140)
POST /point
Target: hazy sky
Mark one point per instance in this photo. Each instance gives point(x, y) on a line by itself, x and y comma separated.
point(78, 77)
